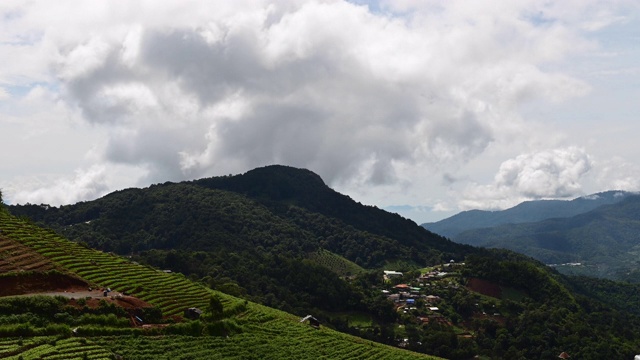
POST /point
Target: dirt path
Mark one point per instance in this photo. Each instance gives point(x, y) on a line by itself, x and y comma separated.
point(72, 294)
point(66, 286)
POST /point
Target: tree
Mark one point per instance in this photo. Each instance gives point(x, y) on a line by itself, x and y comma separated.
point(216, 308)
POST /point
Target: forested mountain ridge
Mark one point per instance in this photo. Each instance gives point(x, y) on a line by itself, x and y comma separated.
point(288, 199)
point(248, 230)
point(56, 309)
point(526, 212)
point(605, 241)
point(280, 187)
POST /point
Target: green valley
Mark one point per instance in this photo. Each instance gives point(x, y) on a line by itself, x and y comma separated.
point(279, 237)
point(54, 327)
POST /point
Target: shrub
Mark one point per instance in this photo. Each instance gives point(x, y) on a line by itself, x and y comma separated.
point(191, 328)
point(223, 328)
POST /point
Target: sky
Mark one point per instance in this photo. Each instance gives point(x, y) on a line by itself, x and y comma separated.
point(425, 108)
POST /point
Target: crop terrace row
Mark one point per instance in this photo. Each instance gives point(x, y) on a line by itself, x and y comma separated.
point(50, 348)
point(107, 270)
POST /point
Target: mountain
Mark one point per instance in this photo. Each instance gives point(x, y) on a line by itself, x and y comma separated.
point(257, 234)
point(279, 236)
point(605, 241)
point(278, 198)
point(280, 188)
point(61, 312)
point(528, 211)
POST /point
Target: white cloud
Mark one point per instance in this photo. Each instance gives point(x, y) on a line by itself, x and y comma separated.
point(547, 174)
point(86, 184)
point(322, 85)
point(618, 174)
point(83, 59)
point(185, 89)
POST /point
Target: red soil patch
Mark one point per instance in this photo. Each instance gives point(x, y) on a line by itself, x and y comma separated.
point(15, 256)
point(484, 287)
point(39, 282)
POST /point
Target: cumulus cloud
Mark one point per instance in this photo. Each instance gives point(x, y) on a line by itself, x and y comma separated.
point(190, 89)
point(618, 174)
point(85, 184)
point(325, 85)
point(548, 174)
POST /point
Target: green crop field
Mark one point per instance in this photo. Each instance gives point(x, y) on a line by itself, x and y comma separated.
point(51, 348)
point(172, 293)
point(256, 331)
point(335, 263)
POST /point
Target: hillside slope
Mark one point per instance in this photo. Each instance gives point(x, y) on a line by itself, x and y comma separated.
point(280, 238)
point(251, 330)
point(606, 240)
point(281, 187)
point(528, 211)
point(255, 234)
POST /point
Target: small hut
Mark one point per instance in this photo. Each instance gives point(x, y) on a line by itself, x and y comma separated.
point(192, 313)
point(312, 321)
point(564, 355)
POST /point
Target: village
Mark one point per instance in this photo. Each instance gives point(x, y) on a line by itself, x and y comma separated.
point(438, 297)
point(421, 296)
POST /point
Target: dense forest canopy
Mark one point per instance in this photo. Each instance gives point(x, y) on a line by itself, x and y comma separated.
point(525, 212)
point(600, 242)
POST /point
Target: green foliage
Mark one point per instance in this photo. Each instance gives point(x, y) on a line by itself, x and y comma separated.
point(335, 263)
point(535, 280)
point(46, 315)
point(551, 317)
point(604, 240)
point(38, 305)
point(190, 328)
point(619, 295)
point(526, 212)
point(216, 307)
point(28, 330)
point(152, 314)
point(243, 232)
point(225, 327)
point(52, 348)
point(109, 320)
point(247, 330)
point(251, 235)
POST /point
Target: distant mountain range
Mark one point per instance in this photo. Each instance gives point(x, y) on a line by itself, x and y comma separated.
point(601, 232)
point(528, 211)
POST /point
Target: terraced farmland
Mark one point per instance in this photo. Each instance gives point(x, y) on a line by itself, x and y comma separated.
point(16, 257)
point(172, 293)
point(51, 348)
point(259, 332)
point(336, 263)
point(267, 334)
